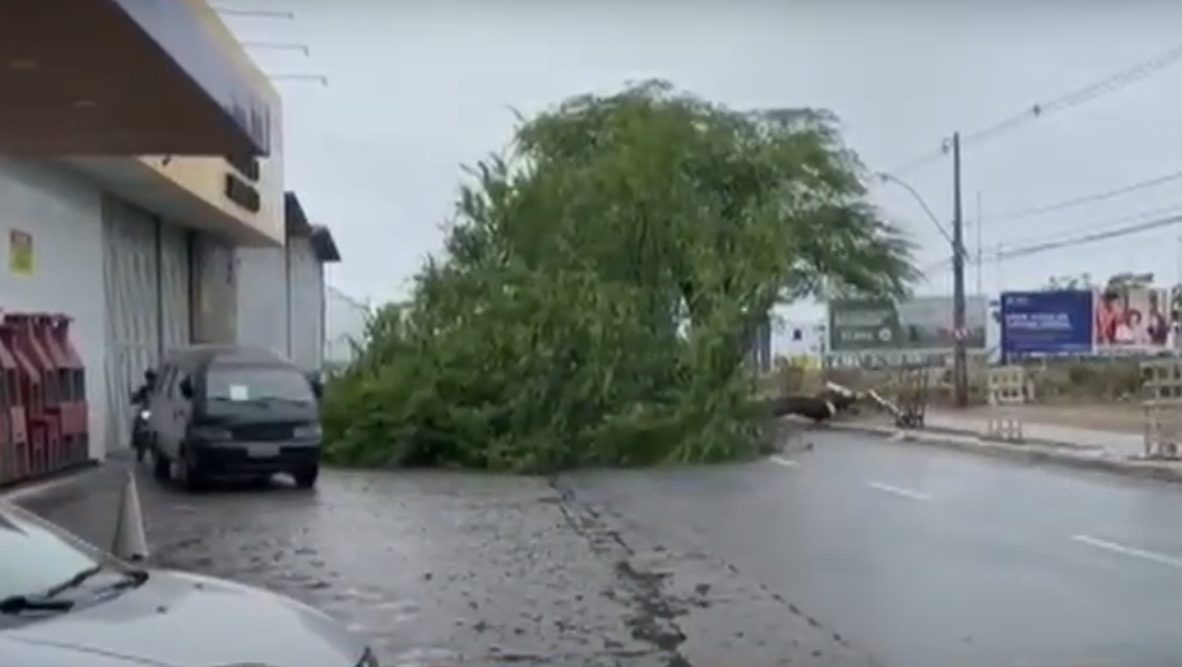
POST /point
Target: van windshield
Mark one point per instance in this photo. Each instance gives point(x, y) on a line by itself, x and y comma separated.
point(242, 383)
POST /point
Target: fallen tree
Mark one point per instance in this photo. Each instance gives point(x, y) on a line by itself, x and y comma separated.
point(600, 284)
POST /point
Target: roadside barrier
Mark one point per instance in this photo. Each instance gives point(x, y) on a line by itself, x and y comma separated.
point(1007, 388)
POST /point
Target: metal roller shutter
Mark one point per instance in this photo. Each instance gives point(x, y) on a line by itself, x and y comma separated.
point(146, 282)
point(174, 286)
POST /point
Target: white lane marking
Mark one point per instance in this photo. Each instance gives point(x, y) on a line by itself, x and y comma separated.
point(780, 460)
point(1161, 559)
point(894, 490)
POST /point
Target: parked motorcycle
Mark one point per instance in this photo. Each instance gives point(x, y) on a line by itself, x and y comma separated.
point(141, 434)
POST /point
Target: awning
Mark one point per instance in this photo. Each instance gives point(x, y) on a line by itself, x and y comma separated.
point(128, 77)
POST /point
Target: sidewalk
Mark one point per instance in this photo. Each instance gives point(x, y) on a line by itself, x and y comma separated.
point(1040, 430)
point(84, 502)
point(1046, 438)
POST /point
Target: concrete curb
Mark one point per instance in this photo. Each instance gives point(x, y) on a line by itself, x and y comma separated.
point(47, 483)
point(1031, 452)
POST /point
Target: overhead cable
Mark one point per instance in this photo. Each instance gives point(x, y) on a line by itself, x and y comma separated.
point(1119, 80)
point(1088, 198)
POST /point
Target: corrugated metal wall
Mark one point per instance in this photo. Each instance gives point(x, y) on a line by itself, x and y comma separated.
point(130, 280)
point(146, 283)
point(175, 300)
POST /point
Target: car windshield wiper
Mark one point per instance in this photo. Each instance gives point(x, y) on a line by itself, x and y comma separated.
point(74, 581)
point(129, 579)
point(133, 578)
point(16, 604)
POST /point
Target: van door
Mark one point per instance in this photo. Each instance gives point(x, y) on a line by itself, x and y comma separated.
point(158, 405)
point(172, 414)
point(183, 414)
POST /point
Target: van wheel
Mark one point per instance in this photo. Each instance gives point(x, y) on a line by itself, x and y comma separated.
point(188, 473)
point(305, 478)
point(161, 466)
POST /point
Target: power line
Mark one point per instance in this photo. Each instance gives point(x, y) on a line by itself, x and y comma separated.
point(1089, 238)
point(1089, 198)
point(1059, 241)
point(1101, 225)
point(1112, 83)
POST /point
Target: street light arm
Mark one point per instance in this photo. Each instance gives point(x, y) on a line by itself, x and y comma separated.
point(889, 178)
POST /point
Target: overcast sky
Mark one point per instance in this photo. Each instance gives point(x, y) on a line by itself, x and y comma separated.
point(419, 88)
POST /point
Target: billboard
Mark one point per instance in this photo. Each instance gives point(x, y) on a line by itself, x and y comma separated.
point(1047, 323)
point(1132, 318)
point(920, 323)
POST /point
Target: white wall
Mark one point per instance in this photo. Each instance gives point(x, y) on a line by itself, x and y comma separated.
point(63, 213)
point(795, 338)
point(306, 318)
point(262, 298)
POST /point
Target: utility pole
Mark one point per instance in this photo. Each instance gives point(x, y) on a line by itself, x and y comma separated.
point(980, 225)
point(960, 375)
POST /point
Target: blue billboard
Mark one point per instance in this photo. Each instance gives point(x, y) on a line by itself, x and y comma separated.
point(1047, 323)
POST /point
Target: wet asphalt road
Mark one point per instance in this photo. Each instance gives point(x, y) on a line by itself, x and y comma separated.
point(925, 557)
point(913, 555)
point(442, 569)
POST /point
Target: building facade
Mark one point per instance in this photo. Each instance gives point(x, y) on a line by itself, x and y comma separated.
point(281, 290)
point(141, 183)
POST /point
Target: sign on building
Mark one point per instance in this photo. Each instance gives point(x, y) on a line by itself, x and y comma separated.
point(20, 252)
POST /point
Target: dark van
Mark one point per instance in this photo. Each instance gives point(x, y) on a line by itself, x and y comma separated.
point(220, 410)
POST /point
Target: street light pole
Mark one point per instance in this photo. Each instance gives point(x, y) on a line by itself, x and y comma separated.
point(960, 375)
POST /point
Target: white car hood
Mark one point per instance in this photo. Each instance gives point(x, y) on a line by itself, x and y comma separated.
point(184, 620)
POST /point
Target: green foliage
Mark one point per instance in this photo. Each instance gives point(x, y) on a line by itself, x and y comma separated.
point(600, 285)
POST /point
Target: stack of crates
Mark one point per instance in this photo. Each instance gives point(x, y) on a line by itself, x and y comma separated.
point(14, 441)
point(72, 384)
point(42, 397)
point(40, 394)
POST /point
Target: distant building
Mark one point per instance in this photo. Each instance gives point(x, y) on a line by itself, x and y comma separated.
point(281, 290)
point(794, 339)
point(345, 320)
